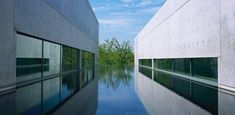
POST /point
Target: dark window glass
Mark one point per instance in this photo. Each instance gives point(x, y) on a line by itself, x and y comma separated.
point(157, 64)
point(66, 59)
point(69, 85)
point(157, 76)
point(206, 97)
point(163, 78)
point(146, 71)
point(145, 62)
point(164, 64)
point(182, 66)
point(205, 67)
point(51, 56)
point(182, 87)
point(167, 80)
point(28, 58)
point(74, 54)
point(87, 59)
point(83, 77)
point(28, 100)
point(51, 94)
point(90, 74)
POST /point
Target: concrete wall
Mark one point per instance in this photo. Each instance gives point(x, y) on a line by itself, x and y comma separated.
point(70, 22)
point(7, 44)
point(192, 28)
point(227, 60)
point(182, 28)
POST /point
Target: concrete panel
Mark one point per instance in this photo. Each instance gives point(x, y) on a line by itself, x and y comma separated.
point(226, 104)
point(7, 44)
point(191, 29)
point(7, 103)
point(82, 17)
point(227, 60)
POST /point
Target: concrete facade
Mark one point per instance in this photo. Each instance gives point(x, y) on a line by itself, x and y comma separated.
point(191, 29)
point(71, 23)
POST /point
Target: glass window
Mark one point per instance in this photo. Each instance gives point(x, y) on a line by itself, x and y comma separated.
point(181, 66)
point(157, 64)
point(66, 59)
point(51, 94)
point(146, 71)
point(145, 62)
point(28, 58)
point(90, 74)
point(167, 80)
point(69, 85)
point(182, 87)
point(51, 60)
point(87, 59)
point(205, 67)
point(157, 76)
point(28, 100)
point(74, 55)
point(83, 77)
point(164, 78)
point(165, 64)
point(205, 96)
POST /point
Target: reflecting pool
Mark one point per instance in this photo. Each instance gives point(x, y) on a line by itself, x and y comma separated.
point(166, 94)
point(117, 94)
point(115, 90)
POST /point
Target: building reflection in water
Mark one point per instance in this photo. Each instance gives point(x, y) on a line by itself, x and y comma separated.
point(71, 93)
point(162, 93)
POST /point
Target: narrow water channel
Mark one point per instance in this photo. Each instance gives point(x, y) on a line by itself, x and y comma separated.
point(117, 91)
point(117, 94)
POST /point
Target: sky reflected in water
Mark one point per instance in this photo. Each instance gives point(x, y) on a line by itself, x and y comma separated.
point(117, 92)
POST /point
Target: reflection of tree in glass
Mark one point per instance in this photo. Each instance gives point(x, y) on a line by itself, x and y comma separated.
point(74, 60)
point(66, 58)
point(87, 59)
point(69, 58)
point(112, 76)
point(70, 81)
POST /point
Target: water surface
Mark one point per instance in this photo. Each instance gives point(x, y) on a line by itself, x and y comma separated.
point(116, 95)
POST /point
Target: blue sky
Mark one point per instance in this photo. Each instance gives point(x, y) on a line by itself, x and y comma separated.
point(123, 19)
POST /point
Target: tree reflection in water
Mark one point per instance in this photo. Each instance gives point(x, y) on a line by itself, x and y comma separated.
point(113, 76)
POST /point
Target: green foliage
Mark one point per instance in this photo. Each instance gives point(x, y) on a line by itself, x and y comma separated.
point(111, 52)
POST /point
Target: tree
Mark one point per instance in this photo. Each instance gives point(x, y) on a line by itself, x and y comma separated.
point(111, 52)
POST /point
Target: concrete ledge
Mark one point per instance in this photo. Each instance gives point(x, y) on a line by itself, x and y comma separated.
point(7, 89)
point(226, 87)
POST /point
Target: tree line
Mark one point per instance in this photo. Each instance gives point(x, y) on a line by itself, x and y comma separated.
point(111, 52)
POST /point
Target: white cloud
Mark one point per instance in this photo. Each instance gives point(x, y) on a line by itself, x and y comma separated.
point(115, 22)
point(100, 8)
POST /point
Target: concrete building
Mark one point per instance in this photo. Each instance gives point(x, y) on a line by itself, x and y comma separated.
point(52, 44)
point(193, 39)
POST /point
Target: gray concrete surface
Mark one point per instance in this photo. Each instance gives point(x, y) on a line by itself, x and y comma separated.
point(7, 44)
